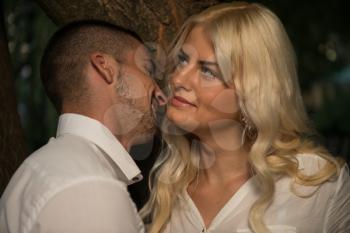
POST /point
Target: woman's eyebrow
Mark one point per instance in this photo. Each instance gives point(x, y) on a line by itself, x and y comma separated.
point(208, 63)
point(201, 62)
point(184, 54)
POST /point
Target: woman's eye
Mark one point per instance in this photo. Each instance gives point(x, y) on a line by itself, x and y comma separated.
point(208, 73)
point(181, 61)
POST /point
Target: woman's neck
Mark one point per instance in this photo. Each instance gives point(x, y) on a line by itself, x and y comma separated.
point(219, 166)
point(223, 156)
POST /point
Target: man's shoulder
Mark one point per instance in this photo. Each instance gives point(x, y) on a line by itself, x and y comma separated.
point(62, 164)
point(23, 203)
point(63, 147)
point(67, 155)
point(63, 161)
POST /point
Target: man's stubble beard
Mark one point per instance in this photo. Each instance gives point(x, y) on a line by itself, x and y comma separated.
point(136, 110)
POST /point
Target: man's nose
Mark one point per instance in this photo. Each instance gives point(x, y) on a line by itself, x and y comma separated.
point(160, 96)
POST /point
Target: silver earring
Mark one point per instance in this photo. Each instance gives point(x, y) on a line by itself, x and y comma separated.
point(248, 129)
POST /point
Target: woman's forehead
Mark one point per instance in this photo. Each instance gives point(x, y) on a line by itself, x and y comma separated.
point(198, 43)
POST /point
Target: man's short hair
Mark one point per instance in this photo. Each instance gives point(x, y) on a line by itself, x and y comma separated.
point(67, 54)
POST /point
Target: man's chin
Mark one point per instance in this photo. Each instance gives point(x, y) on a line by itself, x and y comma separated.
point(146, 130)
point(145, 137)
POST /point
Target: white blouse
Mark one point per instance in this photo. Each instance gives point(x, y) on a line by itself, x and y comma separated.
point(327, 210)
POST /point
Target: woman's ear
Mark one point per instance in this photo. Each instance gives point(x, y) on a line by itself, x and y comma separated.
point(105, 65)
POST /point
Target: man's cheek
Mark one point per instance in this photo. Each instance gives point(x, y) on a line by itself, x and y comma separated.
point(136, 89)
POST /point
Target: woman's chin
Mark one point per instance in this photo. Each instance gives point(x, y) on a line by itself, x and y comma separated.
point(181, 121)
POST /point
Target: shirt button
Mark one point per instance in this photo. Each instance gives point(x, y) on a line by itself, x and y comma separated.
point(135, 179)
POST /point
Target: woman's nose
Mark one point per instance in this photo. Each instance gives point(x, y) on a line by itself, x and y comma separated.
point(182, 78)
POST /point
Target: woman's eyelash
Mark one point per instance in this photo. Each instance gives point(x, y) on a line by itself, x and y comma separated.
point(181, 58)
point(208, 72)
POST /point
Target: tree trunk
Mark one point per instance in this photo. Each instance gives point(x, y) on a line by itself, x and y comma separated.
point(154, 20)
point(12, 144)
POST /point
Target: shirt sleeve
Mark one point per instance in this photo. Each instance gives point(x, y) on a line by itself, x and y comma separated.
point(338, 214)
point(90, 207)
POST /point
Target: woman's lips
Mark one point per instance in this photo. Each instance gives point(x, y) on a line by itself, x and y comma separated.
point(178, 101)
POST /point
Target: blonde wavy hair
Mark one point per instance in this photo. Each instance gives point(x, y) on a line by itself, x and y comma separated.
point(254, 52)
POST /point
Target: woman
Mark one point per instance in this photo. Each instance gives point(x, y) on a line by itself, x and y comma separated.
point(238, 154)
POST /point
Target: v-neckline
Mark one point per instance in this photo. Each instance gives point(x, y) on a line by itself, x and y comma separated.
point(230, 204)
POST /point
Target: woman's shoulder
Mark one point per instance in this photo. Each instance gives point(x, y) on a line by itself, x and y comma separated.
point(317, 181)
point(335, 192)
point(311, 163)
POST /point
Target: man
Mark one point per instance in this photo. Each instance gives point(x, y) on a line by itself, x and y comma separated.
point(98, 77)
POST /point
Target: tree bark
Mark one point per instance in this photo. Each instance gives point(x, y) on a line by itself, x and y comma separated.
point(154, 20)
point(12, 144)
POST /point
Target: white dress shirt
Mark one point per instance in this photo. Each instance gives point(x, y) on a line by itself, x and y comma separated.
point(76, 183)
point(326, 211)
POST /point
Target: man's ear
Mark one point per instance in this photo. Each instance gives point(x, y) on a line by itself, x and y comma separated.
point(105, 65)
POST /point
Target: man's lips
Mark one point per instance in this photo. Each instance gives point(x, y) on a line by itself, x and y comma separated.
point(180, 101)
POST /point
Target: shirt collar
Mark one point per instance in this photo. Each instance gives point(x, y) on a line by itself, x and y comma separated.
point(95, 132)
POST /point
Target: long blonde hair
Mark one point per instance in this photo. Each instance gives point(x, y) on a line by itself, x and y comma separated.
point(254, 52)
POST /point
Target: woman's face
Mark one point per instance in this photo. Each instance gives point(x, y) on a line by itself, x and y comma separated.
point(200, 100)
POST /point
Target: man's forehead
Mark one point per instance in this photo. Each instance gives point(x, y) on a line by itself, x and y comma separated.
point(138, 54)
point(140, 57)
point(141, 52)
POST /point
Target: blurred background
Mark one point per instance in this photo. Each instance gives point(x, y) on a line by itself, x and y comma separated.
point(319, 31)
